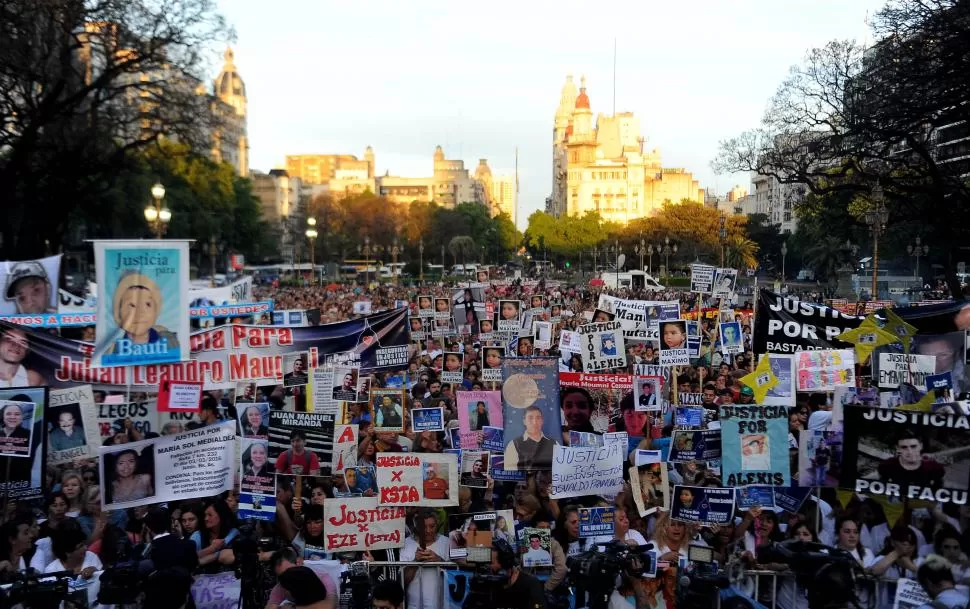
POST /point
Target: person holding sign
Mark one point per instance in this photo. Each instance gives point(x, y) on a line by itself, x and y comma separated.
point(427, 545)
point(533, 450)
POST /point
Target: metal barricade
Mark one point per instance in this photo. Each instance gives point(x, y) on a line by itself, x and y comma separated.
point(400, 565)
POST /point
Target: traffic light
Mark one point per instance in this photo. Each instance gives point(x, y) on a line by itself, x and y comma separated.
point(567, 264)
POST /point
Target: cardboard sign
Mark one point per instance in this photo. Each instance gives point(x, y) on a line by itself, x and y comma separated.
point(179, 396)
point(578, 471)
point(602, 346)
point(702, 505)
point(754, 446)
point(426, 479)
point(357, 524)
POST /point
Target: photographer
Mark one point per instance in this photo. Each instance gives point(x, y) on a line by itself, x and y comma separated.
point(286, 559)
point(388, 595)
point(521, 590)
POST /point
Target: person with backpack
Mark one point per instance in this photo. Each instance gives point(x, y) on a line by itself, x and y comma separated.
point(297, 459)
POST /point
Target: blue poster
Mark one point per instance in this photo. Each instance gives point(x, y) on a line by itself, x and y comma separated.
point(689, 417)
point(695, 445)
point(597, 521)
point(143, 302)
point(492, 439)
point(428, 419)
point(500, 474)
point(748, 497)
point(754, 446)
point(702, 505)
point(790, 499)
point(531, 412)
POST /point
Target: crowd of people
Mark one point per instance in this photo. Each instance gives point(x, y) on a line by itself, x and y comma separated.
point(203, 536)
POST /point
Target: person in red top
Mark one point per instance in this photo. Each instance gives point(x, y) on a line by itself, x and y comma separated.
point(298, 460)
point(434, 487)
point(910, 467)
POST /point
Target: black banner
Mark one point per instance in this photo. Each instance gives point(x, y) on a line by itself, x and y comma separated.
point(786, 325)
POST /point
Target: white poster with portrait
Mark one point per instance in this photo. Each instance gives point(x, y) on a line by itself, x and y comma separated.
point(602, 346)
point(30, 287)
point(71, 423)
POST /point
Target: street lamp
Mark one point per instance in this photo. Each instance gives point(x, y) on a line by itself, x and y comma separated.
point(876, 217)
point(311, 235)
point(158, 217)
point(641, 250)
point(616, 251)
point(365, 251)
point(784, 252)
point(395, 250)
point(212, 260)
point(421, 254)
point(916, 251)
point(666, 250)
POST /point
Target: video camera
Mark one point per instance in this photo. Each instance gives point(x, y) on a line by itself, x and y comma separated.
point(598, 570)
point(34, 590)
point(829, 574)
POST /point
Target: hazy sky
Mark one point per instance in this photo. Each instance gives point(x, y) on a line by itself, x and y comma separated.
point(482, 78)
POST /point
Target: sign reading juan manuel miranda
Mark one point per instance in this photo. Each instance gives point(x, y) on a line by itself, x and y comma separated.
point(143, 302)
point(787, 325)
point(906, 454)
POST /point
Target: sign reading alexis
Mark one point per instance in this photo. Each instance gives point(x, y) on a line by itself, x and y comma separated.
point(754, 446)
point(143, 302)
point(602, 346)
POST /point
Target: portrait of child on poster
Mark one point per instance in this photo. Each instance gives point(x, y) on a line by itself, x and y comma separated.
point(143, 302)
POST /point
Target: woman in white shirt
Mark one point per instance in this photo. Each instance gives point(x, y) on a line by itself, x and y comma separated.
point(622, 530)
point(672, 538)
point(847, 531)
point(71, 554)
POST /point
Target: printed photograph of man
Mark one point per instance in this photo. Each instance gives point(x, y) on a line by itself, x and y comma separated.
point(910, 467)
point(13, 350)
point(536, 554)
point(533, 450)
point(16, 418)
point(435, 480)
point(535, 302)
point(245, 393)
point(731, 338)
point(389, 412)
point(474, 472)
point(647, 398)
point(66, 432)
point(297, 460)
point(347, 390)
point(555, 311)
point(29, 288)
point(298, 369)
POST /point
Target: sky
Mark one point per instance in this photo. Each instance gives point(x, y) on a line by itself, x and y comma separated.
point(483, 78)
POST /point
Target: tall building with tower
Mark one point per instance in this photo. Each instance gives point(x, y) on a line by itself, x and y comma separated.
point(230, 141)
point(600, 164)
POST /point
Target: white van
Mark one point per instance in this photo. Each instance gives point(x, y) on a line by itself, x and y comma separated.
point(636, 280)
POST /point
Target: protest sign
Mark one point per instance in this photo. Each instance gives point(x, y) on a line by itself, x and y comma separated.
point(362, 307)
point(476, 411)
point(71, 425)
point(638, 314)
point(475, 465)
point(425, 305)
point(321, 390)
point(477, 530)
point(702, 505)
point(898, 368)
point(906, 454)
point(536, 543)
point(702, 278)
point(19, 418)
point(731, 337)
point(578, 471)
point(499, 472)
point(783, 392)
point(591, 402)
point(824, 370)
point(597, 521)
point(724, 280)
point(602, 346)
point(179, 396)
point(509, 318)
point(389, 409)
point(452, 370)
point(30, 287)
point(357, 524)
point(227, 355)
point(911, 595)
point(650, 486)
point(790, 499)
point(344, 447)
point(646, 457)
point(583, 438)
point(673, 343)
point(531, 412)
point(427, 419)
point(22, 475)
point(542, 332)
point(688, 417)
point(143, 302)
point(417, 478)
point(748, 497)
point(216, 591)
point(492, 358)
point(301, 443)
point(689, 399)
point(257, 480)
point(493, 439)
point(819, 458)
point(569, 340)
point(695, 445)
point(754, 446)
point(787, 325)
point(197, 463)
point(648, 392)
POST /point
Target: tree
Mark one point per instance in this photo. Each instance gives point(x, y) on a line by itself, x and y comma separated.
point(462, 247)
point(83, 86)
point(849, 117)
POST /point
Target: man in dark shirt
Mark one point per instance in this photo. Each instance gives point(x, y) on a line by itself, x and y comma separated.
point(533, 450)
point(910, 467)
point(521, 590)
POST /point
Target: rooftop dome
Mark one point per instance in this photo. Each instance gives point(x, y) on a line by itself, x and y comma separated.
point(229, 83)
point(582, 100)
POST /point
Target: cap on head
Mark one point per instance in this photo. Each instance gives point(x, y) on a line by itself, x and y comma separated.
point(23, 270)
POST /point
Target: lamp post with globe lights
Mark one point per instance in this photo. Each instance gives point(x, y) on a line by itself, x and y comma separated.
point(157, 215)
point(916, 250)
point(876, 217)
point(311, 235)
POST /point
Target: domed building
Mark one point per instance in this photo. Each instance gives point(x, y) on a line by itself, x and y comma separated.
point(230, 142)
